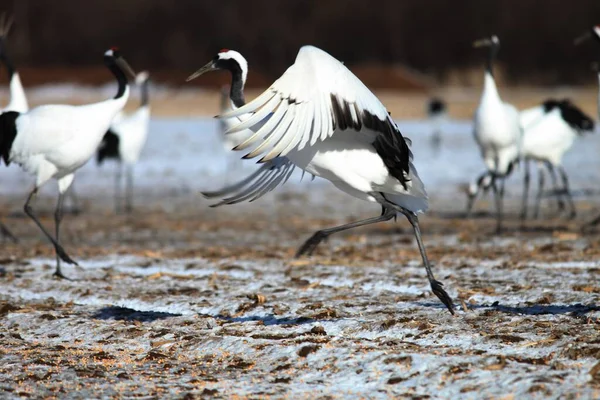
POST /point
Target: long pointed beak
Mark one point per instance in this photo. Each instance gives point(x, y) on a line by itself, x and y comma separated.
point(582, 38)
point(482, 43)
point(207, 68)
point(125, 67)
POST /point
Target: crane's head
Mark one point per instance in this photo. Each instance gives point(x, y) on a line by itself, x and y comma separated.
point(5, 25)
point(491, 41)
point(593, 33)
point(113, 57)
point(229, 60)
point(142, 77)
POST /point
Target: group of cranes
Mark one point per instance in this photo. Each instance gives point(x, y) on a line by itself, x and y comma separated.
point(542, 134)
point(318, 117)
point(54, 141)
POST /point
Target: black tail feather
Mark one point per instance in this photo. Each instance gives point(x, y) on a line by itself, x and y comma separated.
point(109, 148)
point(8, 132)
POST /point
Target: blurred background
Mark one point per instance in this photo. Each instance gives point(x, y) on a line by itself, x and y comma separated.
point(408, 45)
point(430, 37)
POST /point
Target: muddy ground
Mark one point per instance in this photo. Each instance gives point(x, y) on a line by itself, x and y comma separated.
point(183, 301)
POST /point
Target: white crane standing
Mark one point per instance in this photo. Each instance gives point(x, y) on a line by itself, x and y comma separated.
point(53, 141)
point(549, 132)
point(125, 140)
point(323, 119)
point(17, 101)
point(496, 129)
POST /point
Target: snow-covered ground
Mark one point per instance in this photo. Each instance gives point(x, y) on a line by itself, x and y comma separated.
point(191, 301)
point(188, 154)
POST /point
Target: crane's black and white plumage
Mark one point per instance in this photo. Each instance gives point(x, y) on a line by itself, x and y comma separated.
point(496, 129)
point(549, 131)
point(17, 99)
point(437, 114)
point(53, 141)
point(321, 118)
point(593, 33)
point(125, 140)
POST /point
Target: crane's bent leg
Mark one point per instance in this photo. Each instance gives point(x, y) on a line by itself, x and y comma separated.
point(59, 250)
point(558, 192)
point(436, 286)
point(58, 215)
point(567, 191)
point(311, 244)
point(526, 181)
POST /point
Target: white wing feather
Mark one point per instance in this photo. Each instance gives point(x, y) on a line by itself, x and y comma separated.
point(301, 102)
point(270, 175)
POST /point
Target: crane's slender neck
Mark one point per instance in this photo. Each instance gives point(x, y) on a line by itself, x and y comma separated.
point(144, 93)
point(489, 66)
point(10, 68)
point(490, 90)
point(236, 93)
point(121, 78)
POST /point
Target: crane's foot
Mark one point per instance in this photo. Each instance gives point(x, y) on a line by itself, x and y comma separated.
point(438, 290)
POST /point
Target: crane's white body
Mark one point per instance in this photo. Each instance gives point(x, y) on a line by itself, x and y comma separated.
point(132, 130)
point(496, 129)
point(547, 136)
point(302, 130)
point(18, 100)
point(53, 141)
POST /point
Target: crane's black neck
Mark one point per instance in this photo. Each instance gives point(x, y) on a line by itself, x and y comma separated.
point(10, 68)
point(144, 93)
point(236, 93)
point(489, 67)
point(119, 74)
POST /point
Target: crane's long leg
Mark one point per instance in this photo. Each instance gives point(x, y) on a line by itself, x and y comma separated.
point(129, 189)
point(538, 197)
point(557, 190)
point(118, 178)
point(436, 286)
point(498, 198)
point(311, 244)
point(58, 215)
point(567, 191)
point(5, 233)
point(526, 181)
point(60, 252)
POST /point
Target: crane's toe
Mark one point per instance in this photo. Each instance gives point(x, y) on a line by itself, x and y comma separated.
point(64, 256)
point(310, 245)
point(438, 290)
